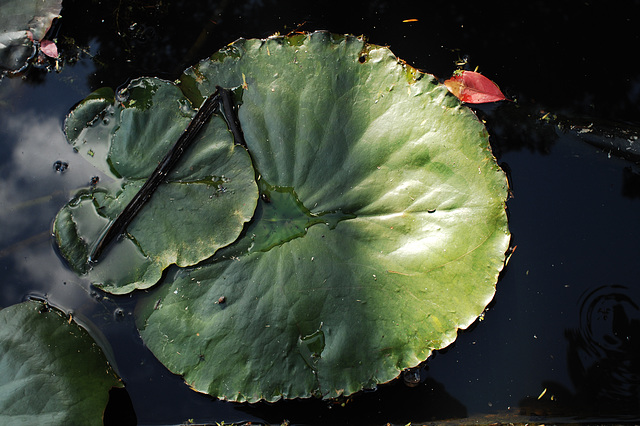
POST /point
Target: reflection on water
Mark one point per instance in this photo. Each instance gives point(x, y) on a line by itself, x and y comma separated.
point(603, 360)
point(604, 352)
point(39, 172)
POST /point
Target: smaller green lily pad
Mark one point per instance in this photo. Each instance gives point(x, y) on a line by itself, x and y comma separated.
point(201, 207)
point(51, 371)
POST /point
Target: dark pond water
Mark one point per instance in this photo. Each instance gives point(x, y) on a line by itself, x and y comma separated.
point(560, 341)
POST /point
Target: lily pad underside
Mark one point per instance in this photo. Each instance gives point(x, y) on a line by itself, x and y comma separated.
point(379, 232)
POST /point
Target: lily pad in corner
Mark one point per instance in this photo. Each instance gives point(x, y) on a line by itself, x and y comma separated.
point(202, 206)
point(22, 22)
point(381, 228)
point(51, 370)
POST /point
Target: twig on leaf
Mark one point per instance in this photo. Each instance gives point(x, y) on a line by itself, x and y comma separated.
point(209, 107)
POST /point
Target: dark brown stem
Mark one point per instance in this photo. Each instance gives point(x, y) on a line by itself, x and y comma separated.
point(230, 111)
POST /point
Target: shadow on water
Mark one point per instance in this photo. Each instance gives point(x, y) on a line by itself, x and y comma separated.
point(603, 360)
point(398, 404)
point(516, 127)
point(559, 56)
point(631, 181)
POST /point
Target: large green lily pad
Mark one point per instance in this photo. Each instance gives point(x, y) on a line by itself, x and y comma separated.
point(202, 206)
point(51, 370)
point(380, 232)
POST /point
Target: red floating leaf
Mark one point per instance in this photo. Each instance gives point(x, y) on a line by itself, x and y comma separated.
point(474, 88)
point(49, 48)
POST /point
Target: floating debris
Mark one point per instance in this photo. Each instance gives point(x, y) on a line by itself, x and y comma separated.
point(60, 166)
